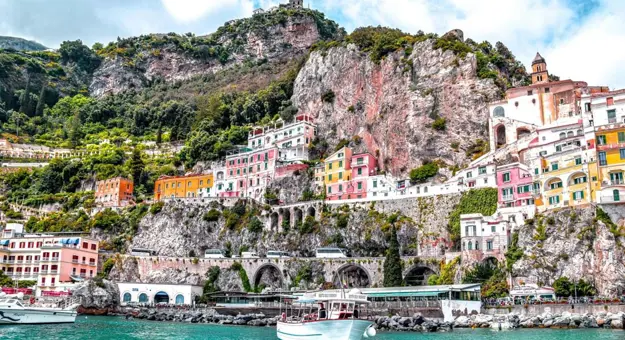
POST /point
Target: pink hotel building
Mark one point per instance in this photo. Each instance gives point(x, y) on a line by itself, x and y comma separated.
point(515, 185)
point(54, 262)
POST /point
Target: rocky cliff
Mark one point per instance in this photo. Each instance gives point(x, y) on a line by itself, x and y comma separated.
point(392, 105)
point(266, 38)
point(20, 44)
point(575, 244)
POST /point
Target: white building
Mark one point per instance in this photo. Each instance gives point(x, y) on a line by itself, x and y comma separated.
point(482, 237)
point(148, 293)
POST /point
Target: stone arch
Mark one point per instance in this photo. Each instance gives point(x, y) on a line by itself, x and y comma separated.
point(273, 221)
point(353, 274)
point(311, 211)
point(266, 274)
point(299, 216)
point(522, 132)
point(490, 261)
point(286, 217)
point(127, 297)
point(418, 275)
point(572, 177)
point(143, 298)
point(562, 135)
point(552, 180)
point(500, 135)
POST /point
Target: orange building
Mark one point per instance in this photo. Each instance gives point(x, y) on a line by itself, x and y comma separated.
point(114, 192)
point(192, 186)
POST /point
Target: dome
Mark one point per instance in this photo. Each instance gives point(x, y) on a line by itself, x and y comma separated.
point(538, 59)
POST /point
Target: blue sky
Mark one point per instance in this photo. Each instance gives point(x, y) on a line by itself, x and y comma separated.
point(581, 39)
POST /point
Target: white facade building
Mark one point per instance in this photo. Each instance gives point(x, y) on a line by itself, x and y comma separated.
point(482, 237)
point(147, 293)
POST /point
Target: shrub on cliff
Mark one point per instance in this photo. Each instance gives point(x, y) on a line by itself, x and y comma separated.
point(243, 275)
point(392, 263)
point(255, 226)
point(328, 96)
point(211, 215)
point(514, 252)
point(440, 124)
point(157, 207)
point(422, 173)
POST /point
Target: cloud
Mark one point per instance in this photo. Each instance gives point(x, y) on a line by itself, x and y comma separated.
point(191, 10)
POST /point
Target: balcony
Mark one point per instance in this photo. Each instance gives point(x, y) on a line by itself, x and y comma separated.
point(612, 199)
point(54, 259)
point(507, 198)
point(74, 261)
point(604, 147)
point(92, 264)
point(45, 259)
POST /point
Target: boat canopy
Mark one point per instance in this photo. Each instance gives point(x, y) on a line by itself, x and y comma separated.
point(395, 294)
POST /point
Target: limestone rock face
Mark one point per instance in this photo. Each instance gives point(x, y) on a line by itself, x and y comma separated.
point(279, 42)
point(576, 246)
point(391, 105)
point(99, 296)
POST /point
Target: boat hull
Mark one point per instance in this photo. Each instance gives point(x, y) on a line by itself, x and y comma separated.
point(36, 316)
point(320, 330)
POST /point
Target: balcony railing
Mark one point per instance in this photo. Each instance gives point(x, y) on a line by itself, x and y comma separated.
point(55, 259)
point(603, 147)
point(507, 197)
point(92, 264)
point(74, 261)
point(53, 271)
point(613, 199)
point(45, 259)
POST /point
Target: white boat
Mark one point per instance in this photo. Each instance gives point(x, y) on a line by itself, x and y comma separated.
point(307, 318)
point(12, 311)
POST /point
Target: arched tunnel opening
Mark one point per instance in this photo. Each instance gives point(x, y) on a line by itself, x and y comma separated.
point(418, 276)
point(268, 276)
point(351, 276)
point(274, 221)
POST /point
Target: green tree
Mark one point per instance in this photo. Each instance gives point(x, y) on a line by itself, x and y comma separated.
point(422, 173)
point(137, 166)
point(77, 52)
point(25, 102)
point(563, 287)
point(41, 103)
point(392, 262)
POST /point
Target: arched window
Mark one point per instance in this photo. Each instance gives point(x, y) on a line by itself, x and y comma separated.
point(579, 132)
point(499, 112)
point(126, 297)
point(179, 299)
point(470, 245)
point(477, 245)
point(570, 134)
point(143, 298)
point(562, 135)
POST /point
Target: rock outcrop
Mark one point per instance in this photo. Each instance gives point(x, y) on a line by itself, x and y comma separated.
point(391, 105)
point(574, 244)
point(97, 297)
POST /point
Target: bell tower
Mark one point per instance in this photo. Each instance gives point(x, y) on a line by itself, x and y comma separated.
point(539, 70)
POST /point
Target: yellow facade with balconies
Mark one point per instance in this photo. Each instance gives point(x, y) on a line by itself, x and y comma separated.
point(337, 167)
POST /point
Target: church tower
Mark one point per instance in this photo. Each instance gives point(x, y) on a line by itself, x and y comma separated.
point(539, 70)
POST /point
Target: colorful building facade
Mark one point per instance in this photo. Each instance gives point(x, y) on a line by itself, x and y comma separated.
point(52, 261)
point(114, 192)
point(179, 187)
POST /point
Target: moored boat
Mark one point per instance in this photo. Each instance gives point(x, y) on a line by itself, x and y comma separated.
point(344, 319)
point(12, 311)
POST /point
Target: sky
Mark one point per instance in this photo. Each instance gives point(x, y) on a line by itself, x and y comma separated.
point(580, 39)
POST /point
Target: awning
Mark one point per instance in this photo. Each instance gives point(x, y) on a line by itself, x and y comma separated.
point(64, 241)
point(4, 242)
point(395, 294)
point(75, 241)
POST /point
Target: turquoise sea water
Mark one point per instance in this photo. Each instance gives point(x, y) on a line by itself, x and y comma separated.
point(95, 328)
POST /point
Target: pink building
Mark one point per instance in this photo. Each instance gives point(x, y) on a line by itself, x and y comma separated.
point(54, 262)
point(248, 173)
point(358, 169)
point(515, 185)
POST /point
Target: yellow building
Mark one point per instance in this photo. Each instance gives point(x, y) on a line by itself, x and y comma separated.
point(193, 186)
point(337, 167)
point(611, 163)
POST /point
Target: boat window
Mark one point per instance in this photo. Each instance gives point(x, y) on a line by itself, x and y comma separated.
point(11, 301)
point(335, 306)
point(19, 304)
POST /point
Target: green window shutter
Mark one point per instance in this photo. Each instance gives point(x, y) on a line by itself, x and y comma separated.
point(340, 175)
point(621, 137)
point(536, 171)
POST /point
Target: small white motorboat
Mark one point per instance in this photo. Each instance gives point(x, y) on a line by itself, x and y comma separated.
point(345, 318)
point(12, 311)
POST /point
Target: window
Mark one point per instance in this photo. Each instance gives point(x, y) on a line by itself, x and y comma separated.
point(587, 107)
point(609, 101)
point(340, 164)
point(329, 190)
point(579, 180)
point(601, 140)
point(611, 116)
point(375, 183)
point(547, 90)
point(555, 185)
point(602, 158)
point(536, 171)
point(489, 245)
point(330, 166)
point(621, 137)
point(554, 200)
point(554, 166)
point(578, 161)
point(329, 177)
point(558, 148)
point(578, 195)
point(562, 135)
point(340, 187)
point(493, 229)
point(341, 155)
point(201, 182)
point(530, 92)
point(561, 101)
point(616, 178)
point(506, 177)
point(622, 152)
point(340, 175)
point(359, 185)
point(482, 170)
point(524, 188)
point(360, 171)
point(85, 245)
point(616, 195)
point(469, 174)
